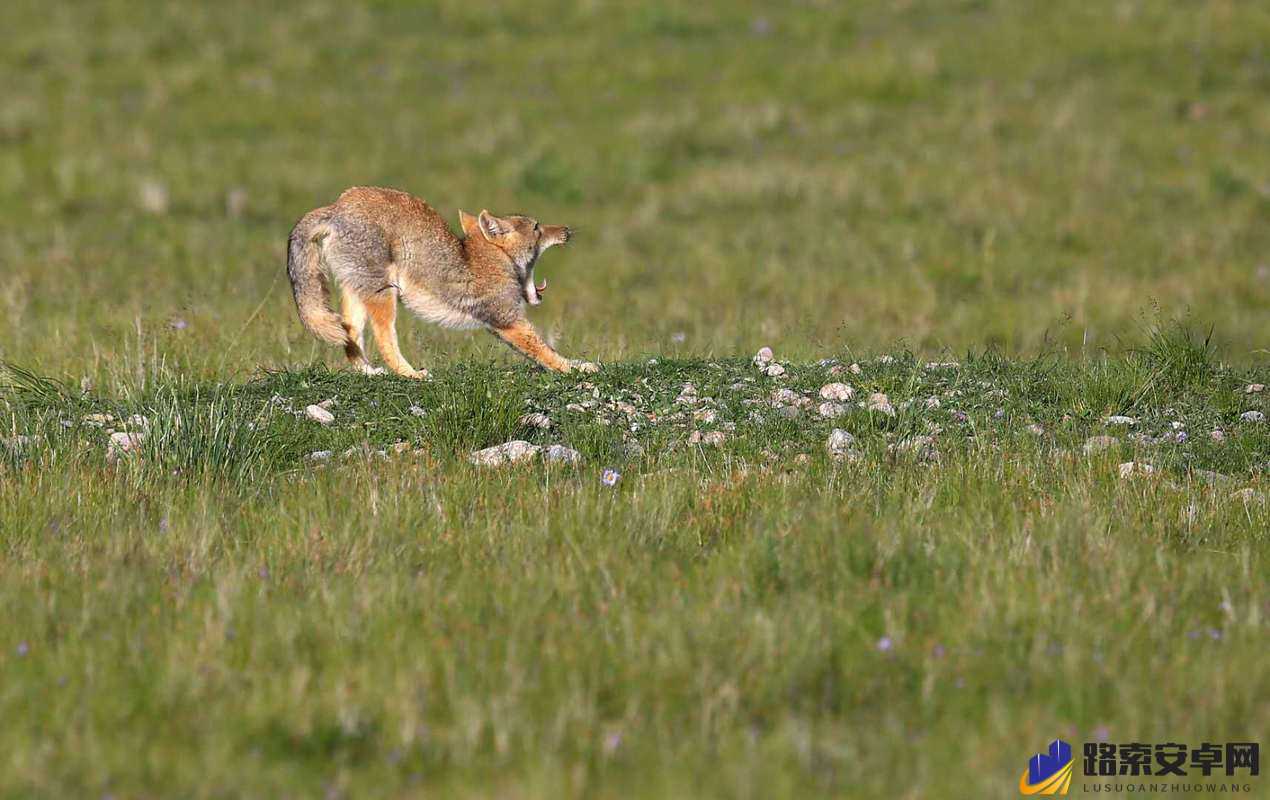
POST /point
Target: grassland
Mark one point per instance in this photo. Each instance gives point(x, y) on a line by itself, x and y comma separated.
point(1031, 190)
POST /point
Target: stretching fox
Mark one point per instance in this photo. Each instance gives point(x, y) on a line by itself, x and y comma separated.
point(382, 244)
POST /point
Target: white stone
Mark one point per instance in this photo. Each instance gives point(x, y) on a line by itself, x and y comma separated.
point(1254, 388)
point(933, 402)
point(1119, 419)
point(837, 391)
point(763, 357)
point(560, 453)
point(855, 369)
point(774, 371)
point(511, 452)
point(881, 403)
point(122, 443)
point(1097, 444)
point(535, 420)
point(1252, 416)
point(319, 415)
point(1130, 468)
point(418, 411)
point(831, 410)
point(839, 443)
point(320, 455)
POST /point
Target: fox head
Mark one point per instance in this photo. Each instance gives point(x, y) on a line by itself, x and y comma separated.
point(522, 239)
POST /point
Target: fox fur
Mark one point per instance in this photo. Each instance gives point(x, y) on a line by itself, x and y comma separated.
point(384, 245)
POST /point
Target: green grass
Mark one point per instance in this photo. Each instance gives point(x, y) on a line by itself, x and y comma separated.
point(1033, 190)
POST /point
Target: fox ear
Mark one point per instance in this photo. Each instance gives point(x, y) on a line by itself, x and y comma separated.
point(469, 224)
point(492, 226)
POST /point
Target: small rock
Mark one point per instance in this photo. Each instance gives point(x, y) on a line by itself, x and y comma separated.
point(774, 371)
point(839, 443)
point(535, 420)
point(511, 452)
point(855, 369)
point(1035, 429)
point(831, 410)
point(97, 420)
point(763, 357)
point(836, 369)
point(942, 365)
point(19, 442)
point(1252, 416)
point(561, 454)
point(837, 391)
point(886, 359)
point(802, 458)
point(319, 455)
point(121, 444)
point(786, 397)
point(1130, 468)
point(319, 415)
point(1217, 435)
point(1246, 495)
point(933, 403)
point(715, 438)
point(705, 416)
point(922, 447)
point(1254, 388)
point(153, 197)
point(418, 411)
point(329, 403)
point(1097, 444)
point(789, 412)
point(138, 421)
point(1210, 477)
point(1118, 419)
point(881, 403)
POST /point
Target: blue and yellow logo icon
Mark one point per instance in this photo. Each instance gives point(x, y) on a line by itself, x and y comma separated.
point(1048, 773)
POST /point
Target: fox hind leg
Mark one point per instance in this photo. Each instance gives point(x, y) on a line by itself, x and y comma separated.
point(383, 319)
point(354, 321)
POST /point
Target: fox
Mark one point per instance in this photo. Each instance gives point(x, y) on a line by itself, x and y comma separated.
point(384, 245)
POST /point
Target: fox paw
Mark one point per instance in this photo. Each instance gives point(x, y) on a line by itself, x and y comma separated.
point(367, 369)
point(585, 367)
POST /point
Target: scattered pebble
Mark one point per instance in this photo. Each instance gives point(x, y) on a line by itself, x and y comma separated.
point(1217, 435)
point(418, 411)
point(97, 420)
point(1254, 388)
point(840, 443)
point(774, 370)
point(933, 403)
point(1252, 416)
point(535, 420)
point(512, 452)
point(1118, 419)
point(1035, 429)
point(319, 415)
point(922, 447)
point(320, 455)
point(153, 197)
point(886, 359)
point(789, 412)
point(881, 403)
point(706, 416)
point(836, 391)
point(1247, 495)
point(1097, 444)
point(329, 403)
point(1131, 468)
point(121, 444)
point(855, 369)
point(763, 357)
point(831, 410)
point(836, 369)
point(561, 454)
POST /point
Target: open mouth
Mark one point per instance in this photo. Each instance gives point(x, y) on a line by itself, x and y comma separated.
point(533, 292)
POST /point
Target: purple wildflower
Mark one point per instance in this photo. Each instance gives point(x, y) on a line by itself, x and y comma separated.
point(610, 477)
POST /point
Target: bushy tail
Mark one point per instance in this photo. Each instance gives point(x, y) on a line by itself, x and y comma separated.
point(308, 280)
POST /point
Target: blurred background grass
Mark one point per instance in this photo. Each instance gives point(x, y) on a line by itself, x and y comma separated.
point(1029, 175)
